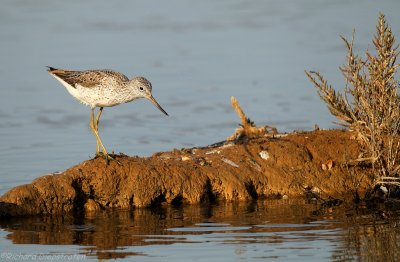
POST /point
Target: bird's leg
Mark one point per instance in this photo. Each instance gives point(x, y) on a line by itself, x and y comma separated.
point(93, 127)
point(98, 118)
point(95, 123)
point(96, 126)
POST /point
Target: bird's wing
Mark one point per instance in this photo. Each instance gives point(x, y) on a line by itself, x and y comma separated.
point(88, 78)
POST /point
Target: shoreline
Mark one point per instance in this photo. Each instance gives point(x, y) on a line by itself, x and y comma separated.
point(306, 164)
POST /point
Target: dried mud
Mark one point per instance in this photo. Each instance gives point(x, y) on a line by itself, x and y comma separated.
point(291, 165)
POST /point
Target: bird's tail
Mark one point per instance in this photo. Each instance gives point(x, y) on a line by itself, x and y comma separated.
point(51, 69)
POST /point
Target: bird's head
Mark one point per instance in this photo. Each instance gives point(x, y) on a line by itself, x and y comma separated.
point(142, 88)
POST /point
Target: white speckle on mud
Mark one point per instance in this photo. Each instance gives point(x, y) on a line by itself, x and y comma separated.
point(229, 162)
point(213, 152)
point(316, 190)
point(264, 155)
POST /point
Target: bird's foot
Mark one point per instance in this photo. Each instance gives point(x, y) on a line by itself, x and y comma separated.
point(107, 157)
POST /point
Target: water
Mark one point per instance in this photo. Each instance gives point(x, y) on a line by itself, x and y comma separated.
point(279, 230)
point(197, 54)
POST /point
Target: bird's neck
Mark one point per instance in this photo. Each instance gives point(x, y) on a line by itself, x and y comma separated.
point(129, 91)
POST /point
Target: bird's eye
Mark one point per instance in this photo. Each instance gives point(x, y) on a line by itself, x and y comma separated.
point(141, 88)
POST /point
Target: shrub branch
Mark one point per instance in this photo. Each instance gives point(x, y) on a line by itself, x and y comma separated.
point(373, 107)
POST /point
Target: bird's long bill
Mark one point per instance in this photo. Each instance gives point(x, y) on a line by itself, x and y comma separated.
point(153, 100)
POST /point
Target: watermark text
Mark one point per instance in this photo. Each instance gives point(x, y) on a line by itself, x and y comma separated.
point(9, 256)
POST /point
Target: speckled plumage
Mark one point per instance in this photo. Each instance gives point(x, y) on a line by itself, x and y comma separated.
point(103, 88)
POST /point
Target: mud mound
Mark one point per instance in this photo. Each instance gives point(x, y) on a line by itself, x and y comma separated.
point(267, 167)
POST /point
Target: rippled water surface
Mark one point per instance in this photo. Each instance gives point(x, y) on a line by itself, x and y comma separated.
point(197, 54)
point(278, 230)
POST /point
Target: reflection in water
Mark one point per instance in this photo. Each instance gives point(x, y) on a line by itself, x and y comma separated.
point(263, 229)
point(372, 236)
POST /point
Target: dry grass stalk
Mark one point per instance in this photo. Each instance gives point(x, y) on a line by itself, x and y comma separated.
point(374, 108)
point(247, 128)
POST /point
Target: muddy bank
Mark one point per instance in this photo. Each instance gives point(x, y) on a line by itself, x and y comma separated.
point(277, 166)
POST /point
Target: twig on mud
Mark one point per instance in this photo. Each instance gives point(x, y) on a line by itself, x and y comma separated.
point(388, 181)
point(248, 128)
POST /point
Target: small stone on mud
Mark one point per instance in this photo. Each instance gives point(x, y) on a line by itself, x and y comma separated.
point(212, 152)
point(285, 197)
point(384, 189)
point(329, 164)
point(201, 161)
point(316, 190)
point(229, 162)
point(186, 158)
point(264, 155)
point(227, 145)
